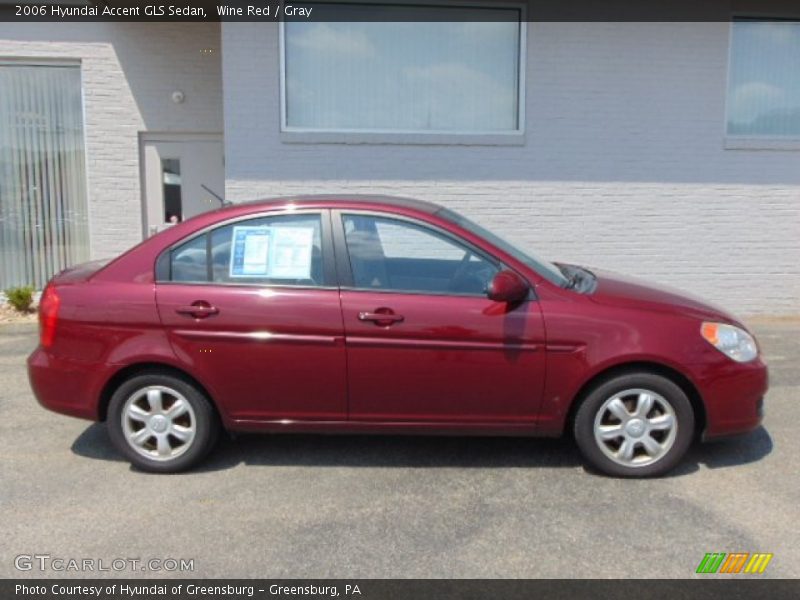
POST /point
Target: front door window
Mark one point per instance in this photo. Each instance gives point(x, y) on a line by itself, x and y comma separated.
point(402, 256)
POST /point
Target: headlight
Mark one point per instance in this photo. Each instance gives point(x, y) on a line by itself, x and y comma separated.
point(733, 341)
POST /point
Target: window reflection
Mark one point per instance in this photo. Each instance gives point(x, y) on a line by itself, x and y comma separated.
point(764, 86)
point(457, 73)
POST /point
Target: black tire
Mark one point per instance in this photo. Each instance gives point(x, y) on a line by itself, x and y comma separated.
point(203, 421)
point(663, 388)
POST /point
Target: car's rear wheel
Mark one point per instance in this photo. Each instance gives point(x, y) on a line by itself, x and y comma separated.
point(635, 425)
point(162, 423)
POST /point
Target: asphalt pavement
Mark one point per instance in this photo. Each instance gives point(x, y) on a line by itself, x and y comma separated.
point(372, 507)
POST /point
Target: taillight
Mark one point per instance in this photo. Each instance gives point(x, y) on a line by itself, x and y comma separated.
point(48, 316)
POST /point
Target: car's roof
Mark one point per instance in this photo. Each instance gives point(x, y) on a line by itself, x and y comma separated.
point(333, 200)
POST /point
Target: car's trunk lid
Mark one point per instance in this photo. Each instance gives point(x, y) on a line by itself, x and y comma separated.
point(79, 273)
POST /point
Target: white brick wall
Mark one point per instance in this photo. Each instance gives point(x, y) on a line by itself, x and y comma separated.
point(129, 72)
point(624, 166)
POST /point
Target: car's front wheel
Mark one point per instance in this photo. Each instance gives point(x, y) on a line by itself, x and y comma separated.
point(635, 425)
point(161, 423)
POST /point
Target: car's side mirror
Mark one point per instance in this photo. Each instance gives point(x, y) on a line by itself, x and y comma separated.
point(507, 286)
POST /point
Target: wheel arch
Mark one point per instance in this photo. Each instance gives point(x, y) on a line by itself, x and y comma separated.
point(134, 369)
point(641, 366)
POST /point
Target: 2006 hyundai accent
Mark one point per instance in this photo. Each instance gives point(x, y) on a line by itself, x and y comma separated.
point(383, 315)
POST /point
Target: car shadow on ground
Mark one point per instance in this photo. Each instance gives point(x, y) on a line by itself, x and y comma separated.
point(423, 451)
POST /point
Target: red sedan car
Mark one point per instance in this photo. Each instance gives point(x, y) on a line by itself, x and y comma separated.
point(383, 315)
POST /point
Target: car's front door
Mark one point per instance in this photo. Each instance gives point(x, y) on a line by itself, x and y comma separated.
point(424, 343)
point(252, 308)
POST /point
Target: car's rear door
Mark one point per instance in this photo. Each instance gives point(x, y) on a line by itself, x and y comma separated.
point(424, 343)
point(252, 309)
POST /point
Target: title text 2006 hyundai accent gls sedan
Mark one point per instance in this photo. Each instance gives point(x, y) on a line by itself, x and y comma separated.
point(383, 315)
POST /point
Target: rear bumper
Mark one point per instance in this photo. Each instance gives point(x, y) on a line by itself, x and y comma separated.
point(65, 386)
point(733, 395)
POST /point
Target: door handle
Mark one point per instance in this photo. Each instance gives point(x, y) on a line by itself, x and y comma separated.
point(380, 318)
point(198, 310)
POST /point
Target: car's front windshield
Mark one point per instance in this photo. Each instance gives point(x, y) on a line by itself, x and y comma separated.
point(546, 269)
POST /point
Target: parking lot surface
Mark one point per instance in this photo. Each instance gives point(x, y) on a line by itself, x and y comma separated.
point(352, 506)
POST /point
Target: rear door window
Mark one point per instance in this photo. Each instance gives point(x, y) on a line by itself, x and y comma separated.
point(279, 250)
point(189, 261)
point(272, 250)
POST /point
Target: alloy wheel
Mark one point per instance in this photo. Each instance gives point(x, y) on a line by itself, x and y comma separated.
point(158, 422)
point(635, 427)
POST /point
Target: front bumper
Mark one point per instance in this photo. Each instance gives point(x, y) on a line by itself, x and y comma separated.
point(733, 394)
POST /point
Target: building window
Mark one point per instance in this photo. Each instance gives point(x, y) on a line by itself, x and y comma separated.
point(173, 190)
point(458, 72)
point(764, 80)
point(43, 220)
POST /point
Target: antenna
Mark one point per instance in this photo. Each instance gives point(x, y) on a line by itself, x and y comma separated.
point(213, 193)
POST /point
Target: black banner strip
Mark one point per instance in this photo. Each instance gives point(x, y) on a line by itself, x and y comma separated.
point(398, 10)
point(735, 588)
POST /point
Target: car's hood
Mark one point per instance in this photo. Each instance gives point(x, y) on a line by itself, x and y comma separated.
point(628, 292)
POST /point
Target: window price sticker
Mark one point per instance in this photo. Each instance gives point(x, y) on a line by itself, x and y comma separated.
point(250, 252)
point(271, 252)
point(291, 253)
